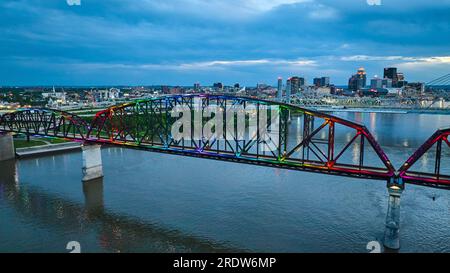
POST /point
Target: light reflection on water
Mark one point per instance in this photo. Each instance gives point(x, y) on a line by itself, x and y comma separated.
point(162, 203)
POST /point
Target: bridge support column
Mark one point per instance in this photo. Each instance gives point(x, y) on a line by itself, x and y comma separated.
point(6, 147)
point(93, 196)
point(92, 162)
point(391, 233)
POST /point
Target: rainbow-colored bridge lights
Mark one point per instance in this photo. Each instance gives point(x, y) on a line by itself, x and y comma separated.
point(315, 142)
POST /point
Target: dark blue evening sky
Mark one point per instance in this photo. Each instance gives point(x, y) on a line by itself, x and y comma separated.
point(179, 42)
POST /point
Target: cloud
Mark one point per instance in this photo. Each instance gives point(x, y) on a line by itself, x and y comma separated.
point(438, 63)
point(218, 64)
point(246, 41)
point(214, 9)
point(260, 62)
point(322, 12)
point(418, 60)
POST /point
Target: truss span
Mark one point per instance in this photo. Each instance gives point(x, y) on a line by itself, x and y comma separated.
point(250, 131)
point(426, 166)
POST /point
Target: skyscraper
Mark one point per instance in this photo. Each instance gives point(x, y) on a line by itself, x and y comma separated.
point(391, 73)
point(288, 89)
point(362, 77)
point(280, 88)
point(317, 82)
point(358, 81)
point(376, 83)
point(325, 81)
point(296, 83)
point(401, 79)
point(197, 86)
point(321, 82)
point(386, 83)
point(218, 87)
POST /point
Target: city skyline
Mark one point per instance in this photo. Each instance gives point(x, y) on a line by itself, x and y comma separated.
point(250, 42)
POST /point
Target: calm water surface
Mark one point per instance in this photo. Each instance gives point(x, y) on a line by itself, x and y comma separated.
point(163, 203)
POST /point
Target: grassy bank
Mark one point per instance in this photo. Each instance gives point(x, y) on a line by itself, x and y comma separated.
point(19, 143)
point(22, 143)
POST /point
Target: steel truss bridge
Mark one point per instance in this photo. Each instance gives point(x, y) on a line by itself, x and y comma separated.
point(316, 142)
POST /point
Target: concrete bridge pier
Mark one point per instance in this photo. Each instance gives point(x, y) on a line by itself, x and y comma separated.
point(6, 147)
point(93, 196)
point(92, 162)
point(392, 229)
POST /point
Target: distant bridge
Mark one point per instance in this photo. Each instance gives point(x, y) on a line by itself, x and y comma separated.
point(439, 82)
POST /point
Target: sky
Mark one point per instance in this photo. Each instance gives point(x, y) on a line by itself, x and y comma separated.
point(180, 42)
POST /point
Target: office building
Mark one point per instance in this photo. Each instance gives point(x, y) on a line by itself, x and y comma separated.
point(358, 81)
point(218, 86)
point(280, 88)
point(391, 73)
point(288, 89)
point(197, 87)
point(386, 83)
point(321, 82)
point(376, 83)
point(296, 83)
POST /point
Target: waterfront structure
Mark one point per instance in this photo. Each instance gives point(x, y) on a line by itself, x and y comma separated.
point(373, 92)
point(414, 89)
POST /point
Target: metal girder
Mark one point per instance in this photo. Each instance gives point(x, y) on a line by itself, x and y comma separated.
point(45, 122)
point(435, 176)
point(146, 124)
